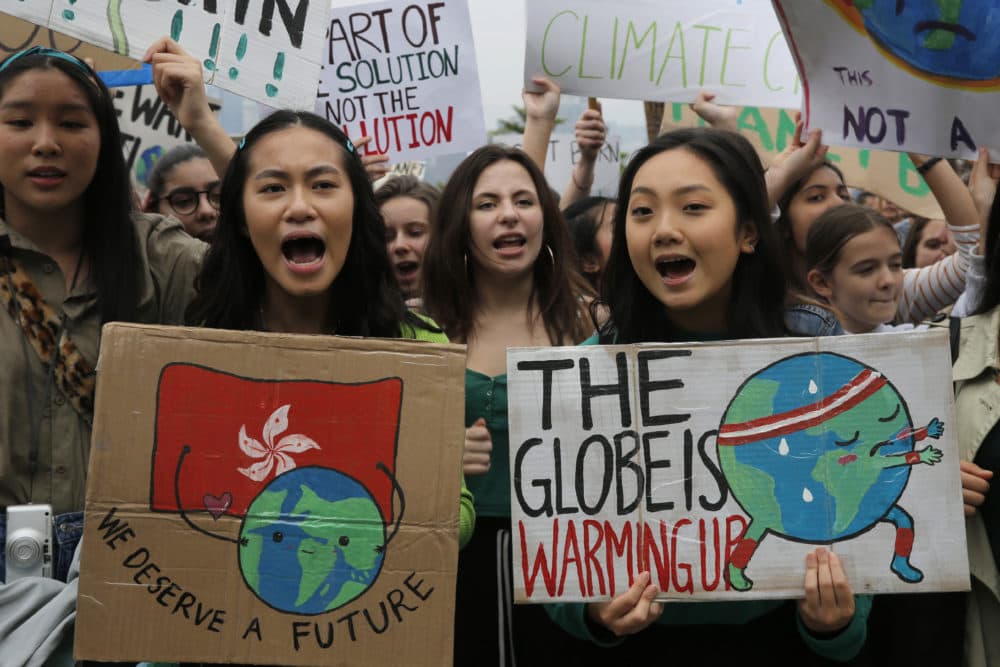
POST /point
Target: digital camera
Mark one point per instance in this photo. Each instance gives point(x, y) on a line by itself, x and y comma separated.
point(29, 541)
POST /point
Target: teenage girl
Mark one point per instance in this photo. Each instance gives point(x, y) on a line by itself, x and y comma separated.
point(183, 184)
point(925, 290)
point(73, 255)
point(694, 257)
point(498, 273)
point(590, 221)
point(407, 205)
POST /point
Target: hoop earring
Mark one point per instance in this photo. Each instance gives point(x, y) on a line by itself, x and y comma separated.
point(465, 262)
point(552, 257)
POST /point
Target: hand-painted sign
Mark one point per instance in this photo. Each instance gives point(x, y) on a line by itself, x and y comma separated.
point(271, 499)
point(887, 174)
point(148, 128)
point(564, 153)
point(663, 50)
point(914, 76)
point(404, 74)
point(268, 51)
point(717, 467)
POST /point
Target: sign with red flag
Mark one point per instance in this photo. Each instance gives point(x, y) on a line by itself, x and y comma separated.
point(271, 499)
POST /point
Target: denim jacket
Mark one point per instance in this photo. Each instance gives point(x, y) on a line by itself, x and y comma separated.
point(804, 319)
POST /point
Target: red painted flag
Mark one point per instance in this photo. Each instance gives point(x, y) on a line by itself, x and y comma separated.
point(242, 433)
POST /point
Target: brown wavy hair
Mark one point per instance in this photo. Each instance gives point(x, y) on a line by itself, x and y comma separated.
point(449, 289)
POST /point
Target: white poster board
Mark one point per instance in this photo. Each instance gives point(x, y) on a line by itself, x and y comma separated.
point(923, 79)
point(718, 466)
point(662, 50)
point(404, 74)
point(564, 153)
point(268, 51)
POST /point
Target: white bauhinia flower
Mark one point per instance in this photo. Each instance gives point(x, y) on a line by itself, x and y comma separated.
point(273, 456)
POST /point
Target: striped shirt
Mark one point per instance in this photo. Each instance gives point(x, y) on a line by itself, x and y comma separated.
point(929, 289)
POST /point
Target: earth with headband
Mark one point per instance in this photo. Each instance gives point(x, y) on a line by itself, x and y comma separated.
point(312, 541)
point(818, 448)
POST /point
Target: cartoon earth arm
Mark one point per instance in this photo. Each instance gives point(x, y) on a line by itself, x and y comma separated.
point(928, 455)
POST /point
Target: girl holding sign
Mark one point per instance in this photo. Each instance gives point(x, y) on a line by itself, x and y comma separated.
point(73, 256)
point(694, 257)
point(498, 273)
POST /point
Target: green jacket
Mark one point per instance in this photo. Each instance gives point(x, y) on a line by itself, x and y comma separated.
point(977, 410)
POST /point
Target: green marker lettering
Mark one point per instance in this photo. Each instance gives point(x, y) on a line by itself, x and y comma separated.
point(583, 52)
point(767, 59)
point(639, 41)
point(678, 34)
point(704, 48)
point(545, 39)
point(725, 57)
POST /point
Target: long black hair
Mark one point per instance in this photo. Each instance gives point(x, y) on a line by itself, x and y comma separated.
point(108, 237)
point(364, 297)
point(758, 284)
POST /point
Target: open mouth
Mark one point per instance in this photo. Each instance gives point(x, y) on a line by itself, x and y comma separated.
point(406, 269)
point(927, 26)
point(510, 241)
point(303, 249)
point(675, 269)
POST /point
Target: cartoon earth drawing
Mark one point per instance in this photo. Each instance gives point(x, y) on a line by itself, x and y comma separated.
point(312, 540)
point(818, 448)
point(957, 39)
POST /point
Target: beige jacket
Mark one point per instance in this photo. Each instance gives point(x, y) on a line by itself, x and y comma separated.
point(977, 410)
point(169, 260)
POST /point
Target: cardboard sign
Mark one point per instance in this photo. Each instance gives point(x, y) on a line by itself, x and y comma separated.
point(564, 153)
point(717, 467)
point(266, 51)
point(17, 35)
point(662, 50)
point(404, 74)
point(148, 128)
point(917, 76)
point(271, 499)
point(887, 174)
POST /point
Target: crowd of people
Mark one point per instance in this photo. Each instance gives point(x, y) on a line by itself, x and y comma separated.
point(284, 232)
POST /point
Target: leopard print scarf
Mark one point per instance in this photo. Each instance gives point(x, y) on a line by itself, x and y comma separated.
point(73, 374)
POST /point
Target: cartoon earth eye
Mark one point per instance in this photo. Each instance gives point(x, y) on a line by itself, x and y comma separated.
point(344, 540)
point(278, 536)
point(845, 443)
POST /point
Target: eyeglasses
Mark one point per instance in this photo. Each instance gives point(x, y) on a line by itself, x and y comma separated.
point(185, 201)
point(45, 51)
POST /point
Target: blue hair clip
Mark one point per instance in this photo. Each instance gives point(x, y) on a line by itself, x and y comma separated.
point(243, 142)
point(350, 146)
point(45, 51)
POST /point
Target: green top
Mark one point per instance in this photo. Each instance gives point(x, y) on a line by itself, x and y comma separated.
point(169, 260)
point(486, 397)
point(467, 510)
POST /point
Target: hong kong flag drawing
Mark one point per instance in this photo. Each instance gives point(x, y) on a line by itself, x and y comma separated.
point(222, 439)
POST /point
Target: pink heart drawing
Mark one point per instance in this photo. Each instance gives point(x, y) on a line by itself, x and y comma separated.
point(217, 505)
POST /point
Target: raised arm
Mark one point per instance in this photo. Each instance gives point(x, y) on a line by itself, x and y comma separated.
point(590, 133)
point(178, 80)
point(540, 118)
point(929, 289)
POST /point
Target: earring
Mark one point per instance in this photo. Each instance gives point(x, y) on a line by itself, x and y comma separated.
point(552, 257)
point(465, 262)
point(750, 248)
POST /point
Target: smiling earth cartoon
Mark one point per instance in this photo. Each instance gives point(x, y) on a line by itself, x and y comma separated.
point(818, 448)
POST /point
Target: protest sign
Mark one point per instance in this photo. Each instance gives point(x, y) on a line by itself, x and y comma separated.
point(271, 499)
point(922, 77)
point(717, 467)
point(17, 35)
point(148, 128)
point(662, 50)
point(404, 74)
point(268, 51)
point(889, 175)
point(564, 153)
